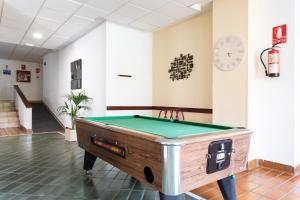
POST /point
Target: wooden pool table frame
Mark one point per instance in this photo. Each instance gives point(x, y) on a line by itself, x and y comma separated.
point(178, 165)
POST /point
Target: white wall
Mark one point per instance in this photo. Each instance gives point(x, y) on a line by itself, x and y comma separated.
point(129, 52)
point(91, 48)
point(271, 100)
point(25, 114)
point(106, 51)
point(32, 90)
point(297, 84)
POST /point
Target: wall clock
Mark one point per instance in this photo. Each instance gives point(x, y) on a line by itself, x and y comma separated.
point(228, 53)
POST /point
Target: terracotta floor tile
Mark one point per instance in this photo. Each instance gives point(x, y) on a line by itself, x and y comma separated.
point(291, 197)
point(259, 183)
point(249, 196)
point(211, 194)
point(275, 194)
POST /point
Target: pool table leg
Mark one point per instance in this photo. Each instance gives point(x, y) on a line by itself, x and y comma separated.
point(168, 197)
point(89, 161)
point(227, 187)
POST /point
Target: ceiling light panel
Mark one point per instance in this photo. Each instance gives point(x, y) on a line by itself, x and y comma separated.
point(92, 13)
point(29, 38)
point(107, 5)
point(176, 11)
point(150, 5)
point(192, 2)
point(64, 6)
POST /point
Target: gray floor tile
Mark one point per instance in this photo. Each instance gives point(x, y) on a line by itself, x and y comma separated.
point(48, 168)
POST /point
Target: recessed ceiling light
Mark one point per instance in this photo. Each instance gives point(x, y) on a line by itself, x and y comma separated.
point(38, 36)
point(29, 44)
point(196, 6)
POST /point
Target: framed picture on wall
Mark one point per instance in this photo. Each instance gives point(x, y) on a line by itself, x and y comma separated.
point(76, 74)
point(23, 76)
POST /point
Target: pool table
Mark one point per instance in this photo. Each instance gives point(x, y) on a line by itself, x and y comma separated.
point(171, 156)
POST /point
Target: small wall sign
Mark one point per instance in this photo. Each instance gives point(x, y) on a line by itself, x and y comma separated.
point(6, 71)
point(23, 67)
point(181, 67)
point(279, 34)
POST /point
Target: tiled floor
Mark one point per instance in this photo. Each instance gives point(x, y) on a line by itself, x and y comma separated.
point(46, 167)
point(260, 183)
point(12, 132)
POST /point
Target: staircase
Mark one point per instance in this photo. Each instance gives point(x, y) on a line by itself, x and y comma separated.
point(8, 115)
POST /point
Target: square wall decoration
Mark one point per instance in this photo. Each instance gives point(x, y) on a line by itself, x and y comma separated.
point(76, 74)
point(23, 76)
point(181, 67)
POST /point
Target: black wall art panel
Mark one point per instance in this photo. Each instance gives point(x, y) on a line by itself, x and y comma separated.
point(76, 74)
point(181, 67)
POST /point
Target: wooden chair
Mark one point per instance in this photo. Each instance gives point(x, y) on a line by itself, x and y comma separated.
point(169, 114)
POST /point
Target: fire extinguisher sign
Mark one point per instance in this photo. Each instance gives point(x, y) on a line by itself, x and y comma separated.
point(279, 34)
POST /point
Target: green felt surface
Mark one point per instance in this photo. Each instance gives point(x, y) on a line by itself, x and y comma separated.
point(162, 127)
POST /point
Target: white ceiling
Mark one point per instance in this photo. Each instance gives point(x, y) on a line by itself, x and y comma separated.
point(62, 21)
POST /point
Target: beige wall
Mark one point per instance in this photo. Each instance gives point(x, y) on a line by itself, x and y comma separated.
point(32, 91)
point(193, 36)
point(230, 17)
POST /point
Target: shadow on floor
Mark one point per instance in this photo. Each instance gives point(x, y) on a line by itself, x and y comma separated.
point(43, 121)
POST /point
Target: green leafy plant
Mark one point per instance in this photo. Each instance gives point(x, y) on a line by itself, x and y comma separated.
point(73, 105)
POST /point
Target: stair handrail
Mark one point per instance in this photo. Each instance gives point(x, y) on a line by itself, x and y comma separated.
point(23, 97)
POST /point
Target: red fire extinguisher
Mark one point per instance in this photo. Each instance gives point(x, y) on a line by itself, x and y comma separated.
point(273, 69)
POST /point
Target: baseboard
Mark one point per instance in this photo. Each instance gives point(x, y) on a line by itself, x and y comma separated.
point(273, 165)
point(56, 118)
point(28, 131)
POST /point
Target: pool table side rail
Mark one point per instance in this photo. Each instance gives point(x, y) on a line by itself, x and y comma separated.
point(161, 139)
point(141, 150)
point(147, 136)
point(194, 160)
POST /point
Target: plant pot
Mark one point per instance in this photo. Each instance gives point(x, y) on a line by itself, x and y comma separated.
point(70, 135)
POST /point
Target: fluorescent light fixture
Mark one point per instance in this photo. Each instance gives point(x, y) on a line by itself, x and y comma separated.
point(29, 44)
point(74, 1)
point(37, 35)
point(196, 6)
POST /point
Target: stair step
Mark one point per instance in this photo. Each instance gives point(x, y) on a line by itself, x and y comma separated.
point(7, 106)
point(9, 124)
point(8, 114)
point(8, 119)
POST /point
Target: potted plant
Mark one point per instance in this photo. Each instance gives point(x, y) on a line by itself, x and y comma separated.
point(74, 104)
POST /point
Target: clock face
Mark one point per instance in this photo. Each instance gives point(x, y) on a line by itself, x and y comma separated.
point(228, 53)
